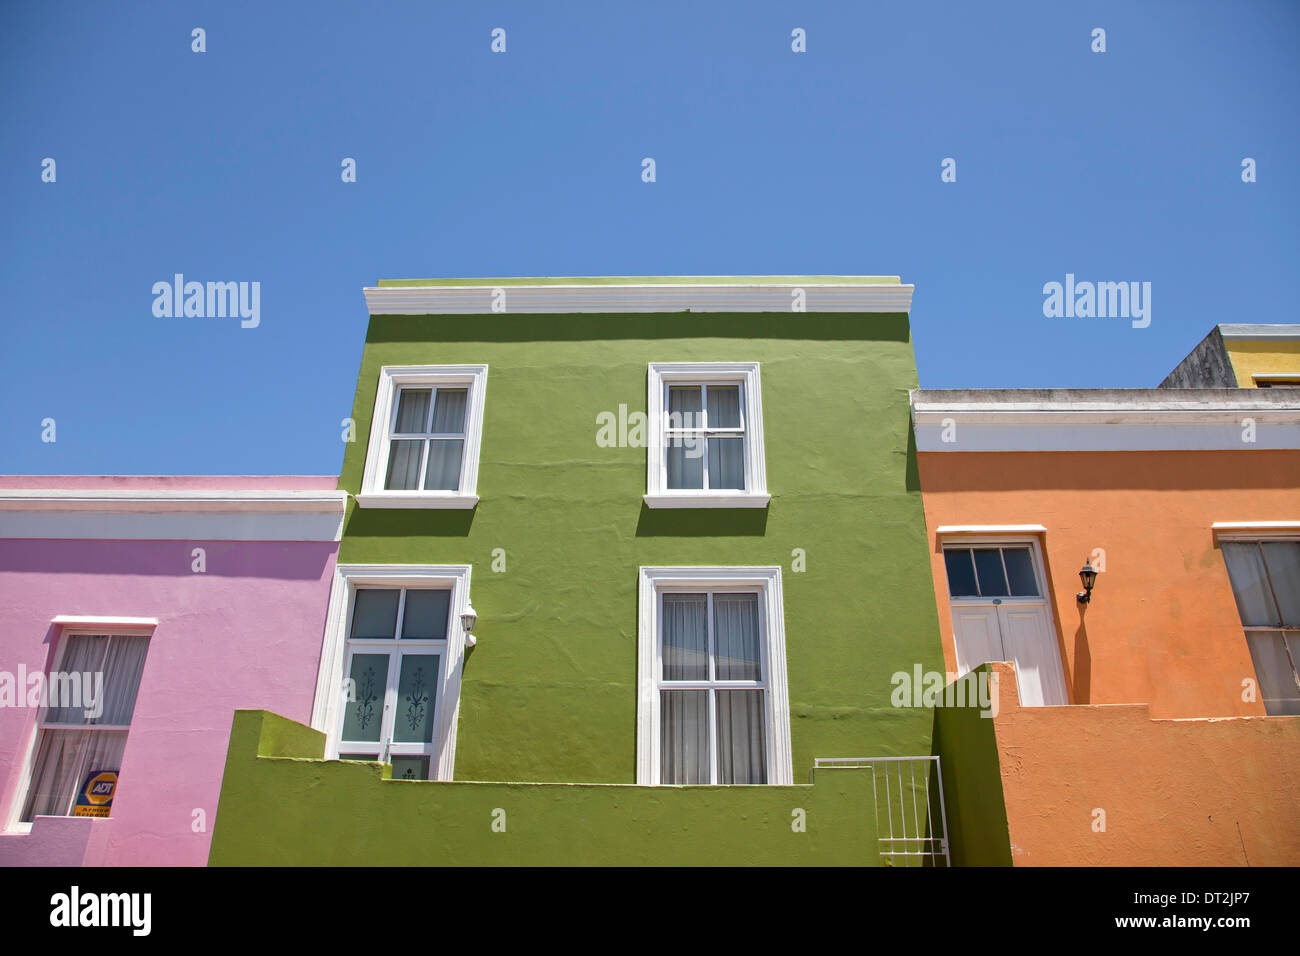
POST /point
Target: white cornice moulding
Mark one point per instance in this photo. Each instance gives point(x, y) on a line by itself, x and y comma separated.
point(957, 529)
point(117, 500)
point(195, 515)
point(1255, 529)
point(81, 620)
point(756, 297)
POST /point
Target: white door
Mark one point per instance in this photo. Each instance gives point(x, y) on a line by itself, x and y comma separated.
point(999, 614)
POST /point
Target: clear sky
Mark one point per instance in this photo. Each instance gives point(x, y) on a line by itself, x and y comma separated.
point(225, 166)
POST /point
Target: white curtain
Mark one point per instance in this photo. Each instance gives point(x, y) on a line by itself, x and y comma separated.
point(742, 750)
point(111, 664)
point(727, 463)
point(64, 760)
point(684, 742)
point(443, 470)
point(686, 637)
point(404, 465)
point(724, 406)
point(449, 411)
point(735, 634)
point(412, 411)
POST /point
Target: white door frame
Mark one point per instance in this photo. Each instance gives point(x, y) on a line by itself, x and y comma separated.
point(1040, 577)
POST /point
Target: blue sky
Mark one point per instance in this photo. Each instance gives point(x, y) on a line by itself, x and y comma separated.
point(225, 165)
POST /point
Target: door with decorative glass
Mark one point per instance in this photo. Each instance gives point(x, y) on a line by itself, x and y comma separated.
point(394, 670)
point(997, 593)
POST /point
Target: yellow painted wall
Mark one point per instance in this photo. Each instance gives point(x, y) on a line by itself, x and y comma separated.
point(1251, 357)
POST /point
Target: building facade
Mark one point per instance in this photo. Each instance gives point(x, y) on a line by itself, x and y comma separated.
point(685, 514)
point(140, 613)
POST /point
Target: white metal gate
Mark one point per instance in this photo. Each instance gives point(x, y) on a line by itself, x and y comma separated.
point(917, 831)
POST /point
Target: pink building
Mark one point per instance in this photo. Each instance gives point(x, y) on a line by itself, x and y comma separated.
point(139, 613)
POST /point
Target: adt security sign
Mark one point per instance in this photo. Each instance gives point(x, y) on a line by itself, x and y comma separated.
point(96, 797)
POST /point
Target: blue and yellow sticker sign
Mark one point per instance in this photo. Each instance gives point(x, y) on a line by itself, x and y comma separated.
point(96, 797)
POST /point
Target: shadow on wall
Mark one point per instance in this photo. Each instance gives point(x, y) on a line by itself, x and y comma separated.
point(280, 560)
point(409, 522)
point(701, 523)
point(853, 326)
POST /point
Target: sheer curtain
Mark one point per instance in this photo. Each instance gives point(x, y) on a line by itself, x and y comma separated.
point(443, 470)
point(1265, 579)
point(65, 758)
point(742, 749)
point(685, 454)
point(686, 637)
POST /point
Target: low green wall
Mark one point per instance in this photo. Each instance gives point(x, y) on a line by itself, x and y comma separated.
point(972, 780)
point(281, 804)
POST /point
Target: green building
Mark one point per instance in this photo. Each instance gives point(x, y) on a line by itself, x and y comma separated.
point(630, 570)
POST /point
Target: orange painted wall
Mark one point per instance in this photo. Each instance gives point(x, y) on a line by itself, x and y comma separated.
point(1212, 792)
point(1162, 628)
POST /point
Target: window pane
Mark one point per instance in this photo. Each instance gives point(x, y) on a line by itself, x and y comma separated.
point(1277, 681)
point(449, 410)
point(742, 747)
point(443, 472)
point(684, 741)
point(961, 573)
point(726, 463)
point(417, 698)
point(374, 757)
point(425, 616)
point(1249, 584)
point(724, 406)
point(410, 768)
point(364, 713)
point(1283, 560)
point(412, 411)
point(684, 406)
point(685, 462)
point(65, 759)
point(988, 566)
point(123, 666)
point(1020, 572)
point(71, 688)
point(735, 636)
point(403, 465)
point(686, 638)
point(374, 613)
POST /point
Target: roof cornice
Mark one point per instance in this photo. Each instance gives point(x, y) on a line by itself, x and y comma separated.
point(651, 294)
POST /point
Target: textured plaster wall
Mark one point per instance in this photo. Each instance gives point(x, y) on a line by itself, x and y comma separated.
point(300, 811)
point(1163, 627)
point(245, 633)
point(549, 694)
point(1263, 357)
point(1173, 792)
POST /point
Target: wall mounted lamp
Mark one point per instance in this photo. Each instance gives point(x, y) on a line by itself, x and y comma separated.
point(468, 618)
point(1089, 578)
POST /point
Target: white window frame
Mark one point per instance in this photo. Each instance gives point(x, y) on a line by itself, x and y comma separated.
point(744, 374)
point(68, 626)
point(1257, 533)
point(327, 711)
point(393, 378)
point(972, 541)
point(767, 582)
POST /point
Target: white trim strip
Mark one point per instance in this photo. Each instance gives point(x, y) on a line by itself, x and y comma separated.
point(955, 529)
point(175, 526)
point(757, 297)
point(79, 620)
point(1255, 529)
point(198, 500)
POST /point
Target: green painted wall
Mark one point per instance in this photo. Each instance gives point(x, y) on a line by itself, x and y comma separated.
point(282, 805)
point(549, 693)
point(967, 747)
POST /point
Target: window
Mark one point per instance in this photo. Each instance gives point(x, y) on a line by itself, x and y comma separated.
point(424, 438)
point(82, 731)
point(705, 436)
point(1265, 576)
point(990, 571)
point(389, 687)
point(713, 705)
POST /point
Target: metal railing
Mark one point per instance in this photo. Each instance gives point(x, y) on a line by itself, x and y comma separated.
point(916, 837)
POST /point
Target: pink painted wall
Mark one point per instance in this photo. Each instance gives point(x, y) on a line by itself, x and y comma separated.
point(245, 634)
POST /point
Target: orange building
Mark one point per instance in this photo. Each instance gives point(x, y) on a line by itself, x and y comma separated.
point(1152, 719)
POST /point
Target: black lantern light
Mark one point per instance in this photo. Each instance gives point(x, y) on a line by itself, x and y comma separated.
point(1089, 578)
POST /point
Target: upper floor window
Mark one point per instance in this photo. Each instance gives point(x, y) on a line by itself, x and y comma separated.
point(424, 438)
point(1265, 576)
point(705, 436)
point(88, 702)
